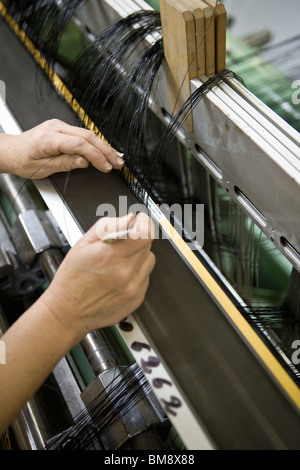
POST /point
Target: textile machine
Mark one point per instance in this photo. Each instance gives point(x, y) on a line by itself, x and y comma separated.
point(220, 376)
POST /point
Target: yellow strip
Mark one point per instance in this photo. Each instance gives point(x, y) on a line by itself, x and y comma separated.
point(5, 443)
point(253, 339)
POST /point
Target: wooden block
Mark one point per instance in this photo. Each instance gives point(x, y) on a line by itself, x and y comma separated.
point(220, 33)
point(209, 32)
point(179, 36)
point(200, 39)
point(186, 6)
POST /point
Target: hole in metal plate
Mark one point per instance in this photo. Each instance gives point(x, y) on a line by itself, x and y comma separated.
point(209, 163)
point(251, 208)
point(290, 250)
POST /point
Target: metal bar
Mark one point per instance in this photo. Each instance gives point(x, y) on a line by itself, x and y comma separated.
point(50, 261)
point(15, 190)
point(98, 352)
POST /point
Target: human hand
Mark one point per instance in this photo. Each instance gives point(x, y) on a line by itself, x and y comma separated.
point(100, 284)
point(55, 146)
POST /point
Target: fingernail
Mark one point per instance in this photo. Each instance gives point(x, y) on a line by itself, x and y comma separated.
point(120, 155)
point(132, 222)
point(108, 166)
point(128, 217)
point(120, 158)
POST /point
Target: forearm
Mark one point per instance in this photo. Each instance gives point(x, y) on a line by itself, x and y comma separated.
point(34, 345)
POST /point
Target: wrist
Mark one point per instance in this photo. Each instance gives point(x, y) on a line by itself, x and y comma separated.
point(60, 313)
point(11, 157)
point(6, 145)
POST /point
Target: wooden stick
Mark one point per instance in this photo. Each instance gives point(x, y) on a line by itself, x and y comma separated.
point(220, 33)
point(200, 40)
point(209, 32)
point(179, 35)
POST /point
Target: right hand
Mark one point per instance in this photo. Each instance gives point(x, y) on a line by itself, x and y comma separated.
point(99, 284)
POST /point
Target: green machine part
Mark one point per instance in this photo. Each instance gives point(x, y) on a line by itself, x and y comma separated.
point(154, 4)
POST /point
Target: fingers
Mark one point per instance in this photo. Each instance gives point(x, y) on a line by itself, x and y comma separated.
point(133, 249)
point(142, 228)
point(108, 225)
point(63, 144)
point(130, 233)
point(84, 142)
point(146, 267)
point(62, 163)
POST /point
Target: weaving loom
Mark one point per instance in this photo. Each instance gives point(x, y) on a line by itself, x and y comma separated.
point(216, 371)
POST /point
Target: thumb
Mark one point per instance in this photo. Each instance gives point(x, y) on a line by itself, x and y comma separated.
point(107, 225)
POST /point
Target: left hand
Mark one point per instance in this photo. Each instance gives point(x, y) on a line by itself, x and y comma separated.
point(55, 146)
